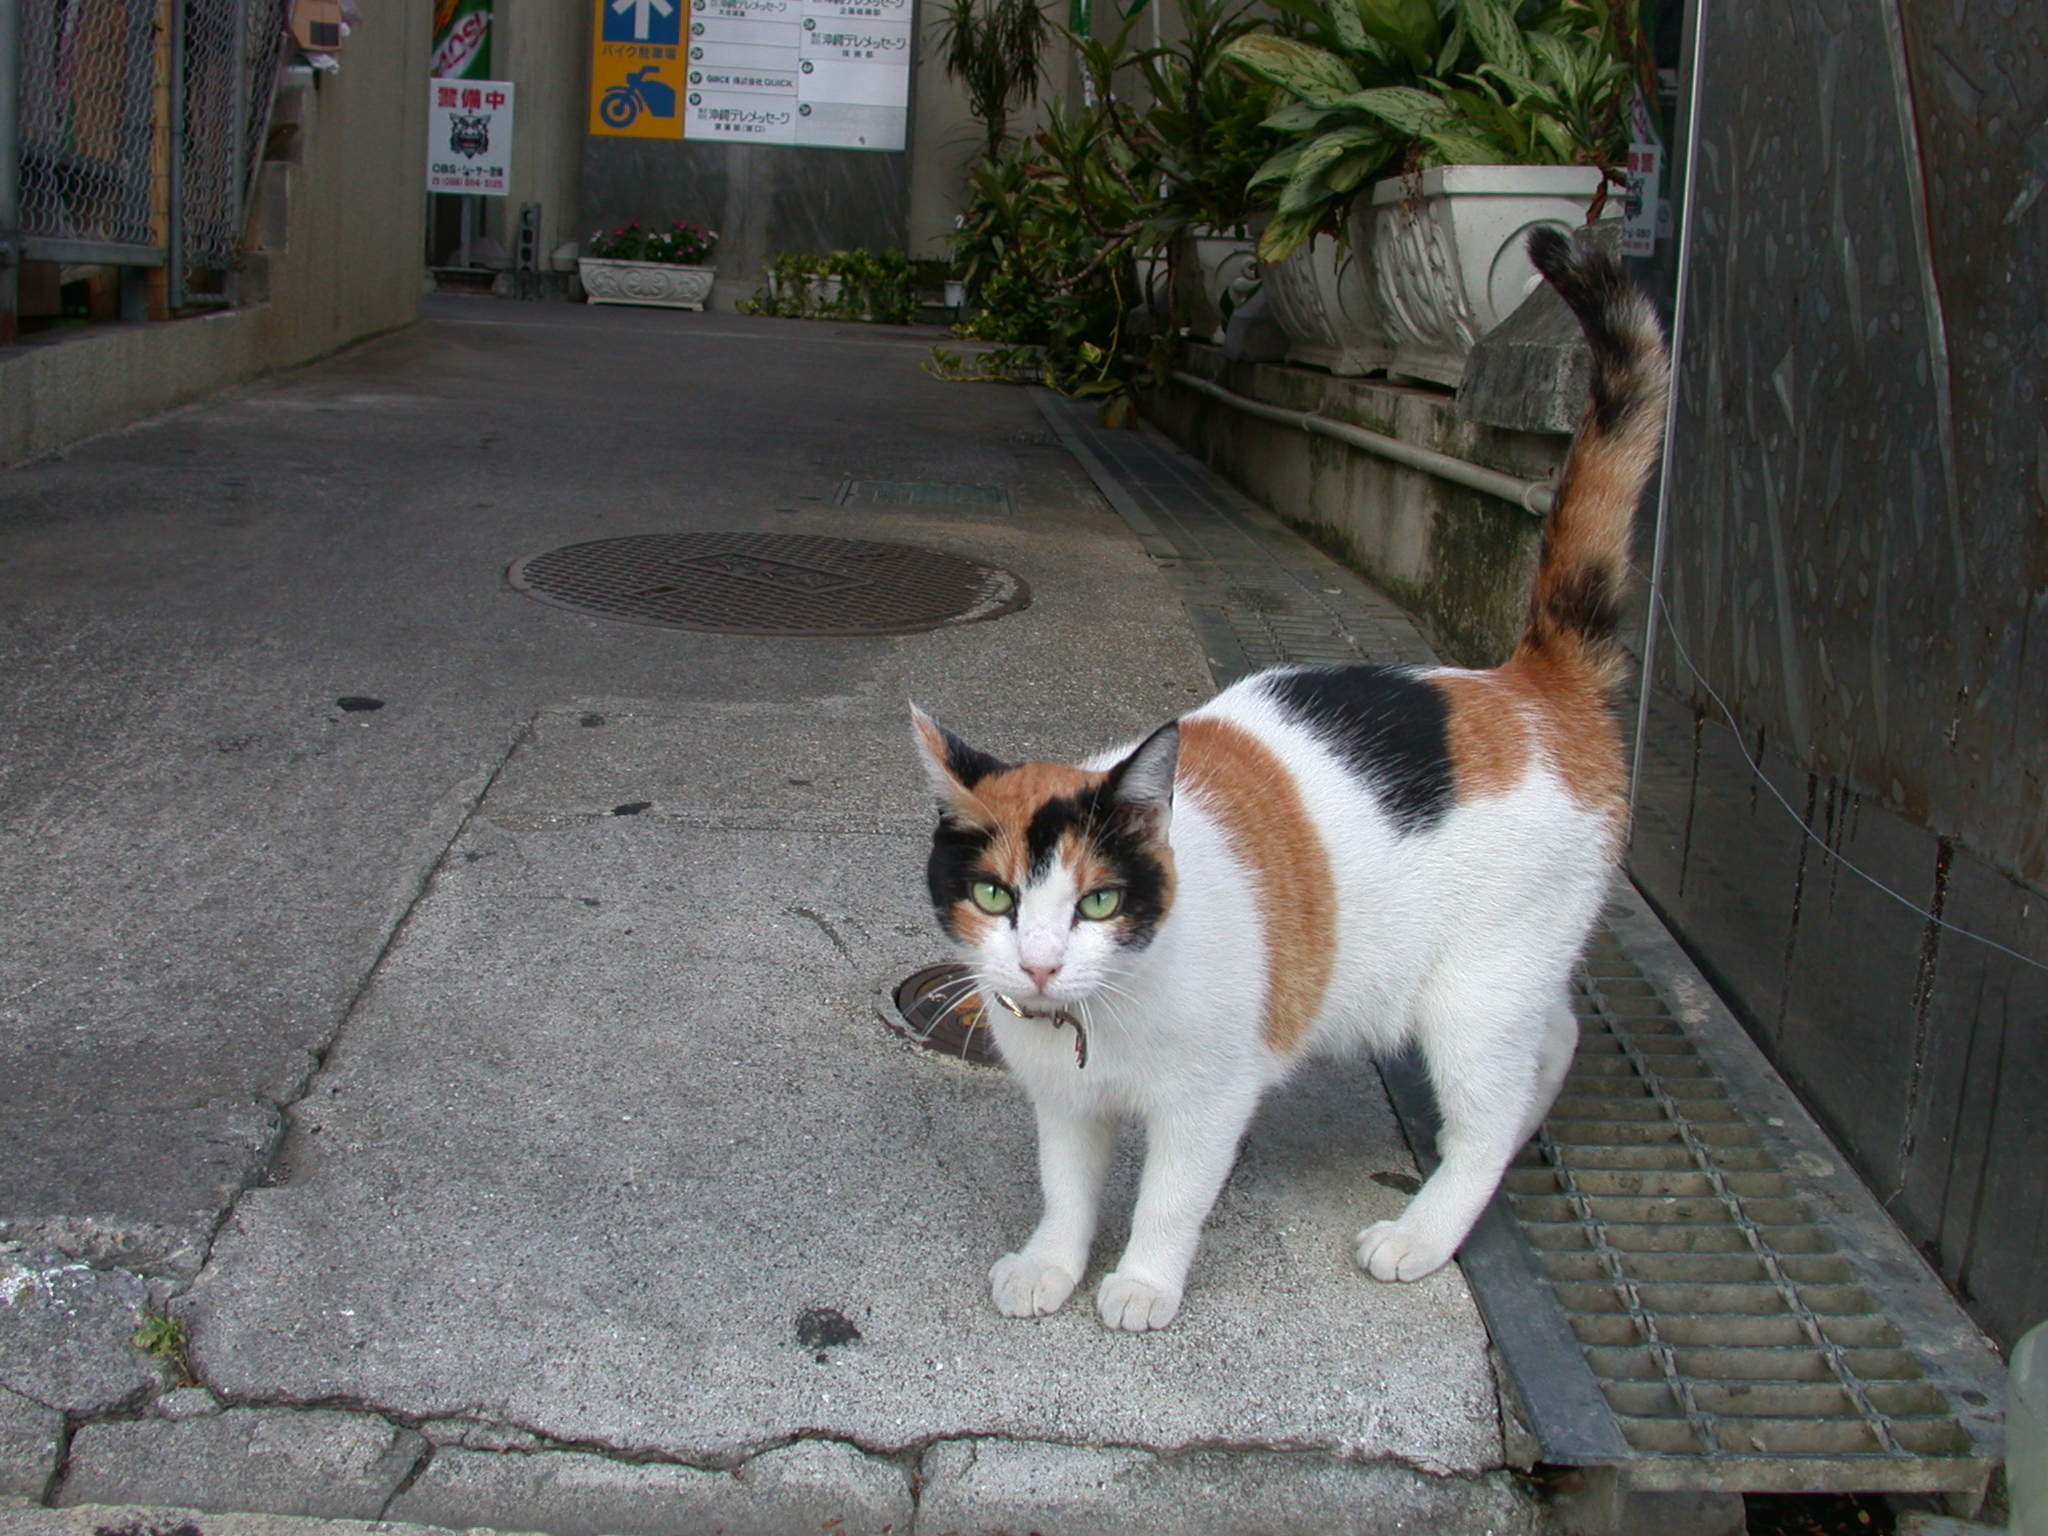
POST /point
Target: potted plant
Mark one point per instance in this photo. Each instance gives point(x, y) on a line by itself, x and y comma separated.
point(670, 268)
point(1496, 124)
point(1201, 137)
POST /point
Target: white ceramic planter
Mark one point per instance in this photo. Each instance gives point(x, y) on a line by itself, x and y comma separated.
point(1322, 297)
point(1228, 270)
point(1449, 265)
point(644, 282)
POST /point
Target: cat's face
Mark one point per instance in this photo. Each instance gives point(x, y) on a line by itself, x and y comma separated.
point(1049, 878)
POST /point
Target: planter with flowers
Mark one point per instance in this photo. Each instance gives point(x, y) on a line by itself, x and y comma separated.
point(669, 268)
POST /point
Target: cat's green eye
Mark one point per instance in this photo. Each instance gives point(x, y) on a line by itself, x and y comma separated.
point(1097, 906)
point(993, 899)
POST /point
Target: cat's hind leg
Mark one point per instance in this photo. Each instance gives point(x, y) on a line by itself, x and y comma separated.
point(1074, 1148)
point(1496, 1060)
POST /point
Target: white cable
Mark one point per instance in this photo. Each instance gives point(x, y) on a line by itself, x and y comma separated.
point(1659, 606)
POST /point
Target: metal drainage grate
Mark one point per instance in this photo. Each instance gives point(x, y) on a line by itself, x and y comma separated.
point(769, 584)
point(938, 1010)
point(1726, 1335)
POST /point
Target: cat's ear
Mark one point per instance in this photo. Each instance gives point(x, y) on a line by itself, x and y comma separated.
point(1142, 784)
point(953, 767)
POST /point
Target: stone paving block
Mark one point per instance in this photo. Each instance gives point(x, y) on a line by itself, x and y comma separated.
point(813, 1485)
point(30, 1436)
point(987, 1487)
point(65, 1331)
point(276, 1461)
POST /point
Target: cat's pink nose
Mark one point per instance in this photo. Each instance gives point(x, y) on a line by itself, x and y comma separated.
point(1041, 976)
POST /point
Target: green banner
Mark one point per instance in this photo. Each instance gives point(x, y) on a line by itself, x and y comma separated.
point(462, 39)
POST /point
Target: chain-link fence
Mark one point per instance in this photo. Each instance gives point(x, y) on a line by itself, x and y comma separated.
point(140, 124)
point(228, 46)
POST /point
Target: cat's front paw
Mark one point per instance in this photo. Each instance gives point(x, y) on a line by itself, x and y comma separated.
point(1024, 1285)
point(1401, 1250)
point(1135, 1305)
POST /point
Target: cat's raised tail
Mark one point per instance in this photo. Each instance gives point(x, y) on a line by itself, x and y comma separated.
point(1583, 571)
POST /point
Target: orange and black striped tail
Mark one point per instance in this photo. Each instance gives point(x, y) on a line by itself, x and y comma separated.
point(1583, 571)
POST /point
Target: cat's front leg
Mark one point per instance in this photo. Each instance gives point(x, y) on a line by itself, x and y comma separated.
point(1074, 1147)
point(1188, 1155)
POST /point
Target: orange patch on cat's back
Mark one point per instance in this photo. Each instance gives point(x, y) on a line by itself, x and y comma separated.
point(1485, 732)
point(1248, 789)
point(1539, 704)
point(1567, 694)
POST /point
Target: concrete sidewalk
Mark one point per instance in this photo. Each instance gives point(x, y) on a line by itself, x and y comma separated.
point(515, 1158)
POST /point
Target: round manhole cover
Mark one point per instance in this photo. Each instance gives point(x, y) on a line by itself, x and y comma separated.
point(939, 1009)
point(769, 584)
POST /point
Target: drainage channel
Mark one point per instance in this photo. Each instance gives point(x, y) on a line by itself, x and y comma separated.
point(1683, 1280)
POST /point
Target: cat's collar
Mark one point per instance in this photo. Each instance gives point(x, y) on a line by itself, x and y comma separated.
point(1056, 1019)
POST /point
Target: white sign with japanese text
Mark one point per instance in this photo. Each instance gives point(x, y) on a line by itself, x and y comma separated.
point(818, 72)
point(469, 137)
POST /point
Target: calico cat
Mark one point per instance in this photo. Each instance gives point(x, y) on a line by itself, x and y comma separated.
point(1320, 859)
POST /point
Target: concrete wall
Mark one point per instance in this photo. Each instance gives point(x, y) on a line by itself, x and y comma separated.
point(1460, 560)
point(349, 265)
point(543, 48)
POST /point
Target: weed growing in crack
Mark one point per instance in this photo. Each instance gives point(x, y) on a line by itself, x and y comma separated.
point(164, 1338)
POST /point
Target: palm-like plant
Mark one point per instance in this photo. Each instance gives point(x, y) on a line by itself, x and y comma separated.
point(995, 49)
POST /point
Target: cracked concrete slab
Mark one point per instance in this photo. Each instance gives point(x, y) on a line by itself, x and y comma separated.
point(313, 1462)
point(618, 1111)
point(66, 1332)
point(990, 1486)
point(813, 1485)
point(613, 1113)
point(159, 1520)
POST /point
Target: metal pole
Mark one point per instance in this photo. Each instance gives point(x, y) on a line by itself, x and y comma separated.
point(238, 128)
point(10, 167)
point(1695, 66)
point(174, 192)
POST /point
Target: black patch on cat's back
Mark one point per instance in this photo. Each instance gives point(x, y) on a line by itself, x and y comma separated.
point(1388, 725)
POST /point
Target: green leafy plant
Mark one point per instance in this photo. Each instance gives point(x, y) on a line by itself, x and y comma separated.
point(680, 244)
point(845, 285)
point(1045, 248)
point(164, 1338)
point(1374, 84)
point(1202, 137)
point(995, 49)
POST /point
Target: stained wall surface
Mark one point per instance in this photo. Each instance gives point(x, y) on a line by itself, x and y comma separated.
point(1855, 560)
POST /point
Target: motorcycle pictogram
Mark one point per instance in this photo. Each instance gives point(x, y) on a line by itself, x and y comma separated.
point(620, 105)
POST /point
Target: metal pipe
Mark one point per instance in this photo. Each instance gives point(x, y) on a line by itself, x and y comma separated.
point(174, 188)
point(10, 166)
point(1646, 673)
point(1535, 496)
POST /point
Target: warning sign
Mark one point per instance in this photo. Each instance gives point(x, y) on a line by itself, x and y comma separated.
point(469, 136)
